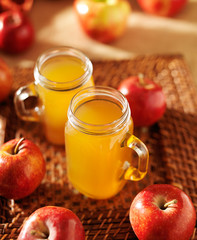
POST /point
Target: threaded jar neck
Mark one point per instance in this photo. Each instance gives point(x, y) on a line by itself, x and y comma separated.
point(99, 93)
point(63, 85)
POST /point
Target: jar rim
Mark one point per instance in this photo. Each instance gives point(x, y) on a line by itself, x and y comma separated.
point(66, 85)
point(99, 129)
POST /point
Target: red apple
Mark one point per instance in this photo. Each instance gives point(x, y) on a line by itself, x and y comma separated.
point(164, 8)
point(16, 32)
point(146, 99)
point(164, 212)
point(104, 21)
point(22, 5)
point(22, 168)
point(55, 223)
point(6, 80)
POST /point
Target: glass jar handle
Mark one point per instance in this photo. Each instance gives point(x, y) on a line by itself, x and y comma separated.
point(139, 172)
point(27, 104)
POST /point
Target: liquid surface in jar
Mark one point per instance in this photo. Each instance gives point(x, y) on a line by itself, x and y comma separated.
point(62, 69)
point(98, 111)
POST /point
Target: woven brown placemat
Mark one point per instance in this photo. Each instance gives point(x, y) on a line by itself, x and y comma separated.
point(171, 143)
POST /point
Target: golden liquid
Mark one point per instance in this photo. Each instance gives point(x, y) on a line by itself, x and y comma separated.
point(98, 112)
point(95, 162)
point(62, 69)
point(56, 103)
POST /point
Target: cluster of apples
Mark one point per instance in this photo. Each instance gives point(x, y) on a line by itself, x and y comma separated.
point(22, 169)
point(106, 20)
point(16, 31)
point(160, 211)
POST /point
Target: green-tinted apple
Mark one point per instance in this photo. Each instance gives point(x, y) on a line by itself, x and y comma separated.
point(103, 20)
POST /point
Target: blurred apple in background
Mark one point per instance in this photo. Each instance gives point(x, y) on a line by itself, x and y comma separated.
point(103, 20)
point(22, 5)
point(16, 32)
point(51, 222)
point(22, 168)
point(6, 80)
point(165, 8)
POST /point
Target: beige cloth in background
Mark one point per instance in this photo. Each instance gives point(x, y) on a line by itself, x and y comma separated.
point(56, 24)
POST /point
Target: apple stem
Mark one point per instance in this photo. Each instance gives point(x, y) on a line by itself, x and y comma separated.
point(38, 234)
point(17, 145)
point(169, 203)
point(141, 79)
point(143, 83)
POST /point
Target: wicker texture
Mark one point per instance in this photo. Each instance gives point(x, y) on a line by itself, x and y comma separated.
point(171, 143)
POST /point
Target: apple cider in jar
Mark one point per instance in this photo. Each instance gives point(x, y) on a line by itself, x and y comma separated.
point(66, 71)
point(59, 74)
point(98, 137)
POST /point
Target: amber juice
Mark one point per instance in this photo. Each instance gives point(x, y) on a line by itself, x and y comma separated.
point(95, 160)
point(63, 74)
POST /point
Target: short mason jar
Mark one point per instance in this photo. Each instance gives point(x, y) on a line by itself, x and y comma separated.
point(59, 74)
point(99, 143)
